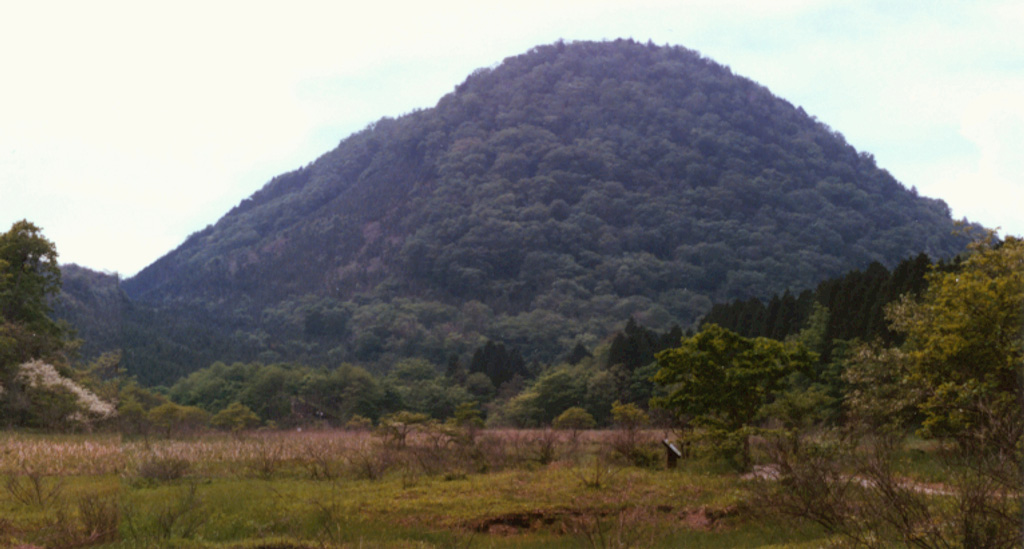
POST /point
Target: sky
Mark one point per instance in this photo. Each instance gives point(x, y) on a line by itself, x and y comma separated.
point(127, 126)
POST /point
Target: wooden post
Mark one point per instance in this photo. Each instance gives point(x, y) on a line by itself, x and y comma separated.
point(672, 454)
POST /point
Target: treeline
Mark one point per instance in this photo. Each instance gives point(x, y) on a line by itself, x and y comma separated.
point(508, 389)
point(496, 380)
point(855, 305)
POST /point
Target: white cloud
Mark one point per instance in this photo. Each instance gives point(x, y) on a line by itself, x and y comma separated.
point(991, 186)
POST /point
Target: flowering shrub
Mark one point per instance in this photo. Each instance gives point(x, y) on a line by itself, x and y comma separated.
point(86, 406)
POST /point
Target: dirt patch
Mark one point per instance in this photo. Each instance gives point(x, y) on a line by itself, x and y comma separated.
point(701, 518)
point(705, 518)
point(281, 546)
point(511, 523)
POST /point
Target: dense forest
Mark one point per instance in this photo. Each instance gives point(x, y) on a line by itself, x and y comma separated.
point(837, 315)
point(539, 204)
point(494, 380)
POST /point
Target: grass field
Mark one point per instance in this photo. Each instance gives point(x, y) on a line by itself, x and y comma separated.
point(336, 488)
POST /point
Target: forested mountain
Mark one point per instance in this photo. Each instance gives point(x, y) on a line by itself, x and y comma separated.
point(541, 203)
point(95, 305)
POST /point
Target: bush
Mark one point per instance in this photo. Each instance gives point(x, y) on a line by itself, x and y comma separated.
point(163, 468)
point(172, 419)
point(359, 423)
point(629, 420)
point(236, 417)
point(100, 516)
point(574, 419)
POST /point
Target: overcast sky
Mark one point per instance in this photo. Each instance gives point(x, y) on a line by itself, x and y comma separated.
point(124, 127)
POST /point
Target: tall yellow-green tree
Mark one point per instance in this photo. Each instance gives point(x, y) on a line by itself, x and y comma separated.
point(959, 377)
point(965, 346)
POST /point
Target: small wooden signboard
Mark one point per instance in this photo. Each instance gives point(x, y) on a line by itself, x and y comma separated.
point(672, 454)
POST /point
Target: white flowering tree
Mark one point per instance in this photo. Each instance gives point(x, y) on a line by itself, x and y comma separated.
point(34, 392)
point(42, 397)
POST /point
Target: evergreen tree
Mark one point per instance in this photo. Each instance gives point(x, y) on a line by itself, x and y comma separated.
point(454, 372)
point(578, 353)
point(498, 363)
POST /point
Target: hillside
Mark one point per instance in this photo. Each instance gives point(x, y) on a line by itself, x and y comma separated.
point(542, 202)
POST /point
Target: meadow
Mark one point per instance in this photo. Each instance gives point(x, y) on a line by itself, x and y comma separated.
point(337, 488)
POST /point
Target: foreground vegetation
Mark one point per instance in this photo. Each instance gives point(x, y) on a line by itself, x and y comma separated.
point(346, 489)
point(823, 443)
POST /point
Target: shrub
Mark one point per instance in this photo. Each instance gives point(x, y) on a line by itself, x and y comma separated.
point(99, 516)
point(359, 423)
point(629, 420)
point(574, 420)
point(236, 417)
point(163, 468)
point(370, 462)
point(173, 418)
point(34, 489)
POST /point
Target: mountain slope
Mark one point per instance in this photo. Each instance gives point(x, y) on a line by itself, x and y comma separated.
point(548, 198)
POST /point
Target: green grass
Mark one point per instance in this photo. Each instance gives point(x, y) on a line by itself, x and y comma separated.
point(227, 504)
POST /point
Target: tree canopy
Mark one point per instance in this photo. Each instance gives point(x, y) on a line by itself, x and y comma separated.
point(29, 278)
point(721, 379)
point(722, 382)
point(965, 346)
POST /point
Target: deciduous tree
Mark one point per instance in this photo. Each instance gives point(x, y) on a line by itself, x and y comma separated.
point(29, 278)
point(721, 381)
point(960, 377)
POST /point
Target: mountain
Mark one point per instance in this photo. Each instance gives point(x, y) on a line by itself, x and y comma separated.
point(541, 203)
point(94, 304)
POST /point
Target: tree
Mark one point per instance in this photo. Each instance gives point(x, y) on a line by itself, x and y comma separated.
point(629, 416)
point(269, 392)
point(633, 347)
point(959, 377)
point(171, 418)
point(467, 421)
point(965, 343)
point(558, 390)
point(499, 363)
point(395, 428)
point(455, 372)
point(721, 381)
point(965, 354)
point(29, 275)
point(467, 414)
point(574, 419)
point(578, 353)
point(29, 278)
point(629, 419)
point(236, 417)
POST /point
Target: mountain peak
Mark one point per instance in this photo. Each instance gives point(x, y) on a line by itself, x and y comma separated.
point(555, 195)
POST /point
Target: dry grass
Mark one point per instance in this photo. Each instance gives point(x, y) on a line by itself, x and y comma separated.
point(262, 452)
